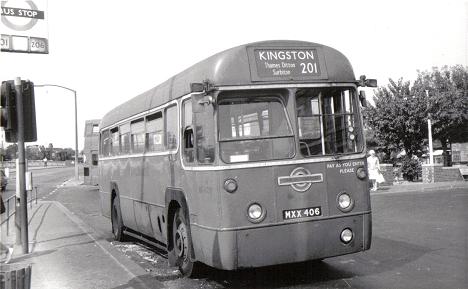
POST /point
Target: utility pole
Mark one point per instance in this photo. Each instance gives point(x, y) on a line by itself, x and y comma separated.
point(77, 177)
point(429, 131)
point(18, 119)
point(76, 122)
point(21, 167)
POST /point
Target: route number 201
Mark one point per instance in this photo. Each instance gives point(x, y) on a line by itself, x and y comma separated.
point(309, 68)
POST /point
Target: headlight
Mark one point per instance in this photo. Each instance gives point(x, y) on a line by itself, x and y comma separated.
point(230, 185)
point(351, 136)
point(256, 213)
point(346, 236)
point(345, 202)
point(361, 173)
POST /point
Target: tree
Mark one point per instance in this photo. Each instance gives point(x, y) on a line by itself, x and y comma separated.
point(10, 152)
point(64, 154)
point(50, 150)
point(43, 151)
point(447, 103)
point(397, 119)
point(33, 152)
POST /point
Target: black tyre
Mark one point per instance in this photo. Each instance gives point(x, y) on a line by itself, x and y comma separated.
point(3, 188)
point(183, 245)
point(116, 219)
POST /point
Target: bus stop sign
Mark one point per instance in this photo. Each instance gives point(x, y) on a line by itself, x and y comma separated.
point(24, 26)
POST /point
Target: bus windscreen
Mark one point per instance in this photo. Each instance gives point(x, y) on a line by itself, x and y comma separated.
point(254, 129)
point(328, 122)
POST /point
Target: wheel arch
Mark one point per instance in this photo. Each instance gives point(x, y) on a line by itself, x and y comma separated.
point(114, 193)
point(114, 189)
point(174, 199)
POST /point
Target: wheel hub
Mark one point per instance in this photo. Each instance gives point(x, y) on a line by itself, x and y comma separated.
point(114, 225)
point(181, 241)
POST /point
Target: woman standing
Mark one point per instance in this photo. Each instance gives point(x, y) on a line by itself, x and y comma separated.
point(373, 166)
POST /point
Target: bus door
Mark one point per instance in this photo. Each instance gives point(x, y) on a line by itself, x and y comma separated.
point(198, 149)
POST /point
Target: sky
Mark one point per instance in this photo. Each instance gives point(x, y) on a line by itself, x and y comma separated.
point(110, 51)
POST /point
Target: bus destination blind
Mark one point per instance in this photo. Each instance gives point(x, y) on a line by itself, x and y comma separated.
point(287, 64)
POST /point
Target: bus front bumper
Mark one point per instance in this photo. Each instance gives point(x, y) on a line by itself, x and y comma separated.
point(231, 249)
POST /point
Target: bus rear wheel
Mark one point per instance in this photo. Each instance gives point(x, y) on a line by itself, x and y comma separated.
point(183, 245)
point(116, 219)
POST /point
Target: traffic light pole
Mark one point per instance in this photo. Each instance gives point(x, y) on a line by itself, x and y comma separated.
point(22, 168)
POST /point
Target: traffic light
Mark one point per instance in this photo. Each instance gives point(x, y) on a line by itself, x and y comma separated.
point(8, 118)
point(9, 113)
point(29, 111)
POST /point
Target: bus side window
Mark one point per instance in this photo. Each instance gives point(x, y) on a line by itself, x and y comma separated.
point(125, 138)
point(137, 129)
point(101, 143)
point(115, 142)
point(188, 150)
point(171, 127)
point(155, 132)
point(105, 143)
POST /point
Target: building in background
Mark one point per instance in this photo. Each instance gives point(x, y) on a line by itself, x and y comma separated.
point(90, 151)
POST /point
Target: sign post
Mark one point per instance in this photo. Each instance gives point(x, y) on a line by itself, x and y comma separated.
point(23, 27)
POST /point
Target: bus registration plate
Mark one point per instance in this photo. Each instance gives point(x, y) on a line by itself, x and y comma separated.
point(302, 213)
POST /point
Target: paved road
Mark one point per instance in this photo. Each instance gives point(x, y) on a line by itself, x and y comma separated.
point(47, 180)
point(419, 241)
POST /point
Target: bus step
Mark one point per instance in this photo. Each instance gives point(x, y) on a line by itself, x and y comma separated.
point(161, 248)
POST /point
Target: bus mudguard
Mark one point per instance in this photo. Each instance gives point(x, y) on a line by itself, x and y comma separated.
point(114, 191)
point(173, 198)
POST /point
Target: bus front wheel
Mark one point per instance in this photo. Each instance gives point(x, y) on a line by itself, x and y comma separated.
point(116, 219)
point(183, 245)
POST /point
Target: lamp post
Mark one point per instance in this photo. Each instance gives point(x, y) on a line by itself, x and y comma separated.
point(76, 122)
point(429, 130)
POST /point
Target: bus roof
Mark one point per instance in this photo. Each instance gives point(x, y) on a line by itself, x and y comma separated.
point(259, 63)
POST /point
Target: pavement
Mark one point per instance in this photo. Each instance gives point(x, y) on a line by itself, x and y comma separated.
point(13, 170)
point(420, 187)
point(66, 253)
